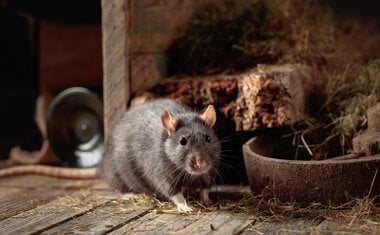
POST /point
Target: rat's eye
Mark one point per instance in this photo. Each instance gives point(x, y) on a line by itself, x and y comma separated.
point(208, 138)
point(183, 141)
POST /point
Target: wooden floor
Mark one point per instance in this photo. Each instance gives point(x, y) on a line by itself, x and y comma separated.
point(33, 204)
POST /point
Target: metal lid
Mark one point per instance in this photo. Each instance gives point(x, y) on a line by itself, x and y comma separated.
point(75, 127)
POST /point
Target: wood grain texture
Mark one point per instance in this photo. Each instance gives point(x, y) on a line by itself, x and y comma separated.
point(153, 222)
point(291, 226)
point(27, 181)
point(116, 86)
point(147, 70)
point(75, 210)
point(216, 222)
point(18, 202)
point(156, 24)
point(345, 227)
point(8, 192)
point(48, 215)
point(101, 220)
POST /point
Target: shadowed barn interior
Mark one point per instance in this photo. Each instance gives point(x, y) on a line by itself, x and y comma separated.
point(295, 86)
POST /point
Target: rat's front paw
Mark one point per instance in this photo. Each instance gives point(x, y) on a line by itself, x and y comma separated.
point(185, 208)
point(181, 203)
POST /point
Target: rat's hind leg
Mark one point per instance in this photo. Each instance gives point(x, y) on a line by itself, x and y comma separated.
point(117, 183)
point(204, 196)
point(114, 181)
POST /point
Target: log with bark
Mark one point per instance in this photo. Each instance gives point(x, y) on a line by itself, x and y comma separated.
point(263, 97)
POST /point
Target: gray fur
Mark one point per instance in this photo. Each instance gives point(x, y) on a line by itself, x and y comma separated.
point(141, 157)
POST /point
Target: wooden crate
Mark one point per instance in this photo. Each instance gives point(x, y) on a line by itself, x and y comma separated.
point(136, 36)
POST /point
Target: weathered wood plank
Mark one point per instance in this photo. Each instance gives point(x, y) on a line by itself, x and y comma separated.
point(27, 181)
point(76, 184)
point(101, 220)
point(170, 223)
point(235, 226)
point(153, 222)
point(213, 221)
point(140, 225)
point(155, 24)
point(116, 86)
point(147, 69)
point(293, 226)
point(34, 181)
point(23, 200)
point(5, 191)
point(344, 227)
point(25, 192)
point(57, 211)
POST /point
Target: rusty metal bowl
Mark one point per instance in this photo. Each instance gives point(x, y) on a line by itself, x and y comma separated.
point(333, 181)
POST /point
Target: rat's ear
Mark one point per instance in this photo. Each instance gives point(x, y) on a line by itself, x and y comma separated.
point(209, 116)
point(169, 121)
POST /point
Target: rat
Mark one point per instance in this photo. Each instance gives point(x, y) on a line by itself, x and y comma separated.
point(159, 147)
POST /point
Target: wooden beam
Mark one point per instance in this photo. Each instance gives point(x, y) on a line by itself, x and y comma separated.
point(116, 84)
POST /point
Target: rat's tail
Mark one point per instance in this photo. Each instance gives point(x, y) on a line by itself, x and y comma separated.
point(59, 172)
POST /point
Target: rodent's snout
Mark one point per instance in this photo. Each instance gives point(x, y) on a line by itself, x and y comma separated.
point(200, 164)
point(197, 164)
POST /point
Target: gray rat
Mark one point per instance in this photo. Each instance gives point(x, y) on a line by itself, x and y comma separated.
point(159, 147)
point(162, 147)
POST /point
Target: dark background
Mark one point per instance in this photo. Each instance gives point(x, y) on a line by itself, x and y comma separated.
point(69, 11)
point(368, 9)
point(45, 46)
point(90, 10)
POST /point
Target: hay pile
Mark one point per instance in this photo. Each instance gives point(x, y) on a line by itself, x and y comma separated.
point(232, 37)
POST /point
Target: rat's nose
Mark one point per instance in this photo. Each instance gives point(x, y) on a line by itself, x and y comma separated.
point(200, 164)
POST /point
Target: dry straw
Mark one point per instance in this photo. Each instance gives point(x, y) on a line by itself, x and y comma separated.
point(228, 37)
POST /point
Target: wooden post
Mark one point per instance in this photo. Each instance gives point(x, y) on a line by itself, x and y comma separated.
point(116, 84)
